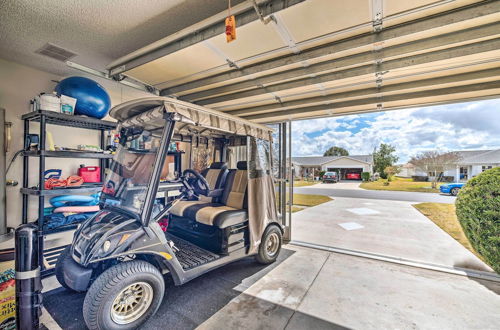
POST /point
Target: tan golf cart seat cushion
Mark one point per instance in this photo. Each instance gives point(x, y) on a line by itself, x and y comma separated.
point(233, 207)
point(216, 176)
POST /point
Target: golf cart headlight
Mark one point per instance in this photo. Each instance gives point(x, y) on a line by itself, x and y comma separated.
point(106, 246)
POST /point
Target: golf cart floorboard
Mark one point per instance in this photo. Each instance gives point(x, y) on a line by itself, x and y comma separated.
point(190, 255)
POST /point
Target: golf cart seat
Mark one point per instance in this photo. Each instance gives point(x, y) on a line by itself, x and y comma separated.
point(232, 208)
point(216, 177)
point(215, 226)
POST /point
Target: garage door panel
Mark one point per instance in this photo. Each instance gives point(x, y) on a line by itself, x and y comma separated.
point(324, 16)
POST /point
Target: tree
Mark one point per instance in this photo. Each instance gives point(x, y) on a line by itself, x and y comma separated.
point(435, 163)
point(383, 157)
point(336, 151)
point(391, 171)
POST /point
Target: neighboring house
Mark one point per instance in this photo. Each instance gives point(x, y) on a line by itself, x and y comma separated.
point(310, 167)
point(471, 163)
point(406, 170)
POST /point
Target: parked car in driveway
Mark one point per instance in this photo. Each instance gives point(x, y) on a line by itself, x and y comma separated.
point(330, 177)
point(451, 188)
point(353, 176)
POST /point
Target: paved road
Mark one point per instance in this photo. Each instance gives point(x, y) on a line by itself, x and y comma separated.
point(377, 194)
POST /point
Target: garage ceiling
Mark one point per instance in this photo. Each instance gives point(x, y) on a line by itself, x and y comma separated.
point(97, 31)
point(319, 58)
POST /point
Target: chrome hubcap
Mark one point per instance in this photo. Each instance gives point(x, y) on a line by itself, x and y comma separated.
point(131, 303)
point(272, 245)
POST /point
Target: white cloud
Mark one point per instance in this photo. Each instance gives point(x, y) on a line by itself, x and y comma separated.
point(474, 125)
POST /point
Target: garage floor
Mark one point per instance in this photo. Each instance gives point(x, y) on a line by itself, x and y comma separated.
point(392, 228)
point(184, 307)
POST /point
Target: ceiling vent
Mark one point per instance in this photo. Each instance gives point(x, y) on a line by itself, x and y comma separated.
point(55, 52)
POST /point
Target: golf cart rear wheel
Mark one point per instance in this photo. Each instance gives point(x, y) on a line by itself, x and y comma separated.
point(270, 245)
point(455, 191)
point(59, 270)
point(124, 296)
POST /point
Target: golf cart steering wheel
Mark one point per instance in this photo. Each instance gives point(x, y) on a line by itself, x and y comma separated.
point(196, 182)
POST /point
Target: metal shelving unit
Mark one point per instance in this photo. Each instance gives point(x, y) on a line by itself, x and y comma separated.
point(54, 118)
point(86, 188)
point(68, 154)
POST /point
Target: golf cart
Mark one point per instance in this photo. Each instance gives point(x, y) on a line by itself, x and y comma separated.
point(156, 220)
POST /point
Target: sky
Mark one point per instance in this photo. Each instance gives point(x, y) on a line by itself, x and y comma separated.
point(453, 127)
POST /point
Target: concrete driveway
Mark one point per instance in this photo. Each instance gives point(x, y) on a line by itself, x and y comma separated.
point(391, 228)
point(351, 189)
point(315, 289)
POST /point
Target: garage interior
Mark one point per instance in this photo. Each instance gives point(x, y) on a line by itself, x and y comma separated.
point(344, 171)
point(291, 60)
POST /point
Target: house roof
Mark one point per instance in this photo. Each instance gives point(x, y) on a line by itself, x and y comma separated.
point(320, 160)
point(464, 154)
point(480, 157)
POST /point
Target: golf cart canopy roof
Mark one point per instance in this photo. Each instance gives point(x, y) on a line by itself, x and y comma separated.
point(149, 111)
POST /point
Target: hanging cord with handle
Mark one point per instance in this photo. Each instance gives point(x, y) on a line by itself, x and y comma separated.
point(230, 24)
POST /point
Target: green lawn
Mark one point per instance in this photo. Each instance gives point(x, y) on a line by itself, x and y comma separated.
point(302, 201)
point(309, 200)
point(400, 184)
point(444, 216)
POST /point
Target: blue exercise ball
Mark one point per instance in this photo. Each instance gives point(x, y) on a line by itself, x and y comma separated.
point(91, 98)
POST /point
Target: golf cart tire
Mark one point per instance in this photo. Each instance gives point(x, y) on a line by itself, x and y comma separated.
point(263, 256)
point(102, 293)
point(455, 191)
point(59, 269)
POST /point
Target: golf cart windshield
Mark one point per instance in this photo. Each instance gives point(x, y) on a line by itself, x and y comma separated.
point(131, 169)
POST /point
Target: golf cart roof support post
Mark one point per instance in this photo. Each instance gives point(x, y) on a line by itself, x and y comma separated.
point(455, 16)
point(159, 161)
point(244, 14)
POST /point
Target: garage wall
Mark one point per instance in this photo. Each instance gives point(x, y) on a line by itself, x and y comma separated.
point(19, 84)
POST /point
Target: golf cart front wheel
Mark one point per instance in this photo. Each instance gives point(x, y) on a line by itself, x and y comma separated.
point(124, 296)
point(270, 245)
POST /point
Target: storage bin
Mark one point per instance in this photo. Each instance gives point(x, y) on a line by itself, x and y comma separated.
point(90, 173)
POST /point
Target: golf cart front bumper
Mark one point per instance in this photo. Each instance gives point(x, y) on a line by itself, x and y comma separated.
point(76, 276)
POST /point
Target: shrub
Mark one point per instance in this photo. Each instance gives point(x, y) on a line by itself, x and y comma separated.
point(420, 178)
point(365, 176)
point(321, 173)
point(478, 210)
